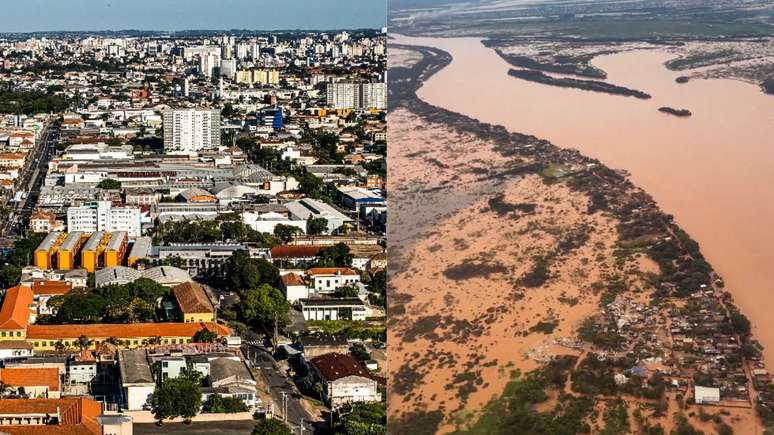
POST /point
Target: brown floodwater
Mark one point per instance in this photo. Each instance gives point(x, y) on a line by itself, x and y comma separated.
point(713, 171)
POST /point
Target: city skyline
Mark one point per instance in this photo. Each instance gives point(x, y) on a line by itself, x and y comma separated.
point(99, 16)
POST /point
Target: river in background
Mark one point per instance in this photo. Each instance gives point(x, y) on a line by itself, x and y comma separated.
point(713, 171)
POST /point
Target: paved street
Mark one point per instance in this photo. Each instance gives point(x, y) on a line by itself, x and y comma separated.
point(31, 179)
point(280, 385)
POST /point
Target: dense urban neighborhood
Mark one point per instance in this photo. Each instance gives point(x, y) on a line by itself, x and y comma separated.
point(193, 232)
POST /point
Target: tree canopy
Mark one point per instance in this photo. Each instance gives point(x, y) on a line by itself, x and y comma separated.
point(109, 184)
point(244, 272)
point(177, 397)
point(262, 305)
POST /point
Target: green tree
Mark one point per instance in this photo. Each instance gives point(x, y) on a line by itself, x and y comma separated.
point(359, 351)
point(337, 255)
point(347, 291)
point(315, 226)
point(286, 233)
point(378, 288)
point(271, 426)
point(741, 323)
point(109, 184)
point(262, 305)
point(217, 404)
point(10, 275)
point(365, 419)
point(177, 397)
point(244, 272)
point(204, 336)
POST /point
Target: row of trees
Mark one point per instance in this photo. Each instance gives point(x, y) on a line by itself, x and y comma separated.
point(134, 302)
point(254, 280)
point(20, 256)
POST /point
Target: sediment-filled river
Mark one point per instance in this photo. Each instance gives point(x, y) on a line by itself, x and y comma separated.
point(713, 171)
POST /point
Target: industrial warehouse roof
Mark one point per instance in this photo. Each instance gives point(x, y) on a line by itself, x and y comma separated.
point(15, 312)
point(141, 247)
point(116, 275)
point(167, 275)
point(232, 190)
point(121, 330)
point(306, 207)
point(116, 239)
point(71, 242)
point(94, 241)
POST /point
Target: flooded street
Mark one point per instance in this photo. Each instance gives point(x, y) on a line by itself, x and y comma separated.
point(712, 171)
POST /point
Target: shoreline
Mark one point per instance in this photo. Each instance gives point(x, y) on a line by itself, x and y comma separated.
point(518, 144)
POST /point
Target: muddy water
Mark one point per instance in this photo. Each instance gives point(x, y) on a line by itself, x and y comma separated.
point(713, 171)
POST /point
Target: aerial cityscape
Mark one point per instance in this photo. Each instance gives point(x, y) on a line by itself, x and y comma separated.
point(591, 241)
point(194, 233)
point(194, 230)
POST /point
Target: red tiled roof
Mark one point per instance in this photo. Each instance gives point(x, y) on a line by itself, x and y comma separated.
point(192, 298)
point(51, 287)
point(78, 415)
point(121, 330)
point(330, 271)
point(295, 251)
point(292, 279)
point(31, 377)
point(336, 365)
point(15, 312)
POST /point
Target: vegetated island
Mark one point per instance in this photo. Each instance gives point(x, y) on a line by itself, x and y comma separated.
point(578, 65)
point(676, 112)
point(586, 85)
point(682, 79)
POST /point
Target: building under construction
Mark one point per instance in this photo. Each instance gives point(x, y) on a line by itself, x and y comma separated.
point(44, 254)
point(66, 251)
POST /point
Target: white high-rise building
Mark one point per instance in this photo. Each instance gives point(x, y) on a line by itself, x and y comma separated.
point(102, 216)
point(191, 130)
point(207, 64)
point(341, 95)
point(349, 95)
point(373, 96)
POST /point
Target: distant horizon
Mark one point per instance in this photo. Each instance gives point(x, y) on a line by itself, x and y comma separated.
point(169, 16)
point(310, 30)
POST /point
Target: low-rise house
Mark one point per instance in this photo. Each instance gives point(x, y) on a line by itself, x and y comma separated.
point(13, 349)
point(330, 279)
point(136, 379)
point(344, 380)
point(316, 345)
point(333, 309)
point(294, 287)
point(193, 302)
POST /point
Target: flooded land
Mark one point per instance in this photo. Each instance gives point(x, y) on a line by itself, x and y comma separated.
point(568, 284)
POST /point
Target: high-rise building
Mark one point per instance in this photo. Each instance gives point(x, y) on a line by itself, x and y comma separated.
point(191, 130)
point(207, 64)
point(350, 95)
point(102, 216)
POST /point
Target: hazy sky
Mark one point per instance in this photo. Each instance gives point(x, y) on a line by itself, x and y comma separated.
point(50, 15)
